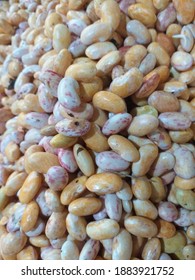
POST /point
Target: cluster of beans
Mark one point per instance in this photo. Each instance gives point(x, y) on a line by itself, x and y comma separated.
point(97, 159)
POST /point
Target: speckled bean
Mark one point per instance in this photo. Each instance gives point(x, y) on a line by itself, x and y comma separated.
point(113, 207)
point(152, 249)
point(122, 246)
point(52, 199)
point(167, 211)
point(165, 162)
point(116, 123)
point(56, 226)
point(76, 226)
point(56, 178)
point(69, 251)
point(90, 250)
point(185, 163)
point(174, 121)
point(73, 127)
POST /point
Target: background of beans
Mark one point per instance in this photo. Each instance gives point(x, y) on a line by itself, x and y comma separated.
point(97, 111)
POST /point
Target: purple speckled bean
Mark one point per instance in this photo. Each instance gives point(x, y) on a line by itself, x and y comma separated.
point(25, 89)
point(174, 121)
point(167, 211)
point(113, 206)
point(122, 246)
point(161, 138)
point(116, 123)
point(51, 80)
point(185, 163)
point(111, 161)
point(90, 250)
point(15, 136)
point(56, 178)
point(164, 162)
point(76, 26)
point(77, 48)
point(73, 127)
point(49, 253)
point(13, 223)
point(166, 17)
point(33, 135)
point(43, 46)
point(20, 81)
point(46, 100)
point(124, 5)
point(68, 93)
point(57, 113)
point(45, 143)
point(37, 120)
point(37, 230)
point(67, 160)
point(85, 111)
point(52, 120)
point(183, 219)
point(168, 177)
point(40, 199)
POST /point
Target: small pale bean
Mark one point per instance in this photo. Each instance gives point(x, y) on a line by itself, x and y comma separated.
point(173, 244)
point(162, 56)
point(98, 50)
point(183, 219)
point(84, 160)
point(56, 178)
point(139, 32)
point(28, 253)
point(167, 211)
point(145, 208)
point(166, 17)
point(185, 10)
point(185, 184)
point(189, 252)
point(147, 64)
point(37, 229)
point(122, 246)
point(158, 190)
point(69, 251)
point(186, 198)
point(163, 101)
point(142, 13)
point(14, 183)
point(113, 207)
point(125, 193)
point(51, 80)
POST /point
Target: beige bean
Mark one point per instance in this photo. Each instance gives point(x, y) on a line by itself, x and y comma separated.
point(28, 253)
point(109, 101)
point(162, 56)
point(191, 232)
point(73, 190)
point(50, 253)
point(96, 32)
point(56, 226)
point(187, 109)
point(134, 56)
point(145, 208)
point(95, 140)
point(158, 190)
point(140, 226)
point(98, 50)
point(141, 188)
point(184, 184)
point(181, 61)
point(76, 227)
point(107, 62)
point(84, 160)
point(39, 241)
point(139, 141)
point(165, 229)
point(110, 13)
point(189, 252)
point(32, 149)
point(185, 163)
point(62, 62)
point(51, 21)
point(62, 141)
point(104, 183)
point(143, 124)
point(160, 4)
point(125, 193)
point(152, 249)
point(142, 13)
point(41, 162)
point(181, 137)
point(30, 216)
point(30, 187)
point(103, 229)
point(84, 72)
point(12, 152)
point(185, 10)
point(87, 90)
point(139, 32)
point(13, 242)
point(127, 84)
point(14, 183)
point(186, 198)
point(173, 244)
point(85, 206)
point(163, 101)
point(122, 246)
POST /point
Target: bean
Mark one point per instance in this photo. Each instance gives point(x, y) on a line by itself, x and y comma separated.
point(183, 219)
point(56, 178)
point(141, 188)
point(67, 160)
point(49, 253)
point(184, 156)
point(147, 64)
point(162, 56)
point(145, 208)
point(89, 250)
point(30, 216)
point(142, 13)
point(185, 198)
point(184, 10)
point(76, 227)
point(103, 229)
point(189, 252)
point(163, 101)
point(69, 251)
point(174, 121)
point(85, 111)
point(73, 127)
point(173, 244)
point(122, 246)
point(166, 17)
point(104, 183)
point(113, 207)
point(165, 229)
point(165, 162)
point(85, 206)
point(181, 61)
point(13, 242)
point(167, 211)
point(191, 232)
point(98, 50)
point(107, 62)
point(140, 226)
point(111, 161)
point(109, 101)
point(141, 37)
point(158, 190)
point(28, 253)
point(161, 138)
point(185, 184)
point(37, 229)
point(116, 123)
point(51, 80)
point(56, 227)
point(14, 183)
point(52, 200)
point(152, 249)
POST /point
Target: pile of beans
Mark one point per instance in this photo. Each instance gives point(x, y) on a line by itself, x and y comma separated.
point(97, 155)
